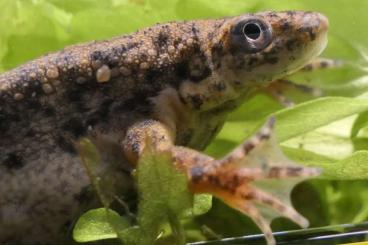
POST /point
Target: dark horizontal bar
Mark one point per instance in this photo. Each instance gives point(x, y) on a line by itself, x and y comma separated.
point(337, 234)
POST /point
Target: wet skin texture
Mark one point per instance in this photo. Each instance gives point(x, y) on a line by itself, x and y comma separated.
point(173, 82)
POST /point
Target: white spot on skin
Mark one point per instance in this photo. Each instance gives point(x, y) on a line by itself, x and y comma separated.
point(33, 75)
point(190, 41)
point(4, 86)
point(52, 73)
point(103, 74)
point(152, 52)
point(47, 88)
point(18, 96)
point(41, 72)
point(171, 49)
point(84, 62)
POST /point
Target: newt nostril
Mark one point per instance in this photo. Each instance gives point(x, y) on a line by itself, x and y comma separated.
point(317, 21)
point(313, 25)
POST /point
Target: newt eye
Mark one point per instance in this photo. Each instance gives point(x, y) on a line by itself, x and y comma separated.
point(251, 35)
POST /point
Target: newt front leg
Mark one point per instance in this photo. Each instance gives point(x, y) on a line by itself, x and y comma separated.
point(238, 178)
point(233, 178)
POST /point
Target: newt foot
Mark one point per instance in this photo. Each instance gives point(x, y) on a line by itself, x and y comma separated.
point(256, 179)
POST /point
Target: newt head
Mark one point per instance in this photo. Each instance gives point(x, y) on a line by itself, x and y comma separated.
point(268, 45)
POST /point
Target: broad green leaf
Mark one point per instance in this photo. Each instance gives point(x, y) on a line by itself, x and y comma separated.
point(164, 195)
point(308, 116)
point(298, 120)
point(99, 224)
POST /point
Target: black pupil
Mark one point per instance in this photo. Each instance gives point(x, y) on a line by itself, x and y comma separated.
point(252, 31)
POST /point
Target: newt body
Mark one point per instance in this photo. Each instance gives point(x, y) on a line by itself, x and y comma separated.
point(173, 82)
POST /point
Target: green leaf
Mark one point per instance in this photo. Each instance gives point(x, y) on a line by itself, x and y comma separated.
point(99, 224)
point(102, 160)
point(294, 121)
point(350, 168)
point(354, 167)
point(164, 195)
point(202, 204)
point(92, 162)
point(308, 116)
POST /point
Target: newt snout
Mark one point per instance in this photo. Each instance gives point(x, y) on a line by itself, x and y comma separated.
point(298, 37)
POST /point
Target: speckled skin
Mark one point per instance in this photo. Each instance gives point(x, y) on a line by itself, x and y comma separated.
point(185, 75)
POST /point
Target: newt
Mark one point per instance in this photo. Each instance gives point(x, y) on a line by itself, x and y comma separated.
point(174, 83)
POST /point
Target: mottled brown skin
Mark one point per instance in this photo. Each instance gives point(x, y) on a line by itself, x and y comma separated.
point(174, 83)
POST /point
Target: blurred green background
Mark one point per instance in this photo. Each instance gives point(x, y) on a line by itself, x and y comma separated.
point(329, 132)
